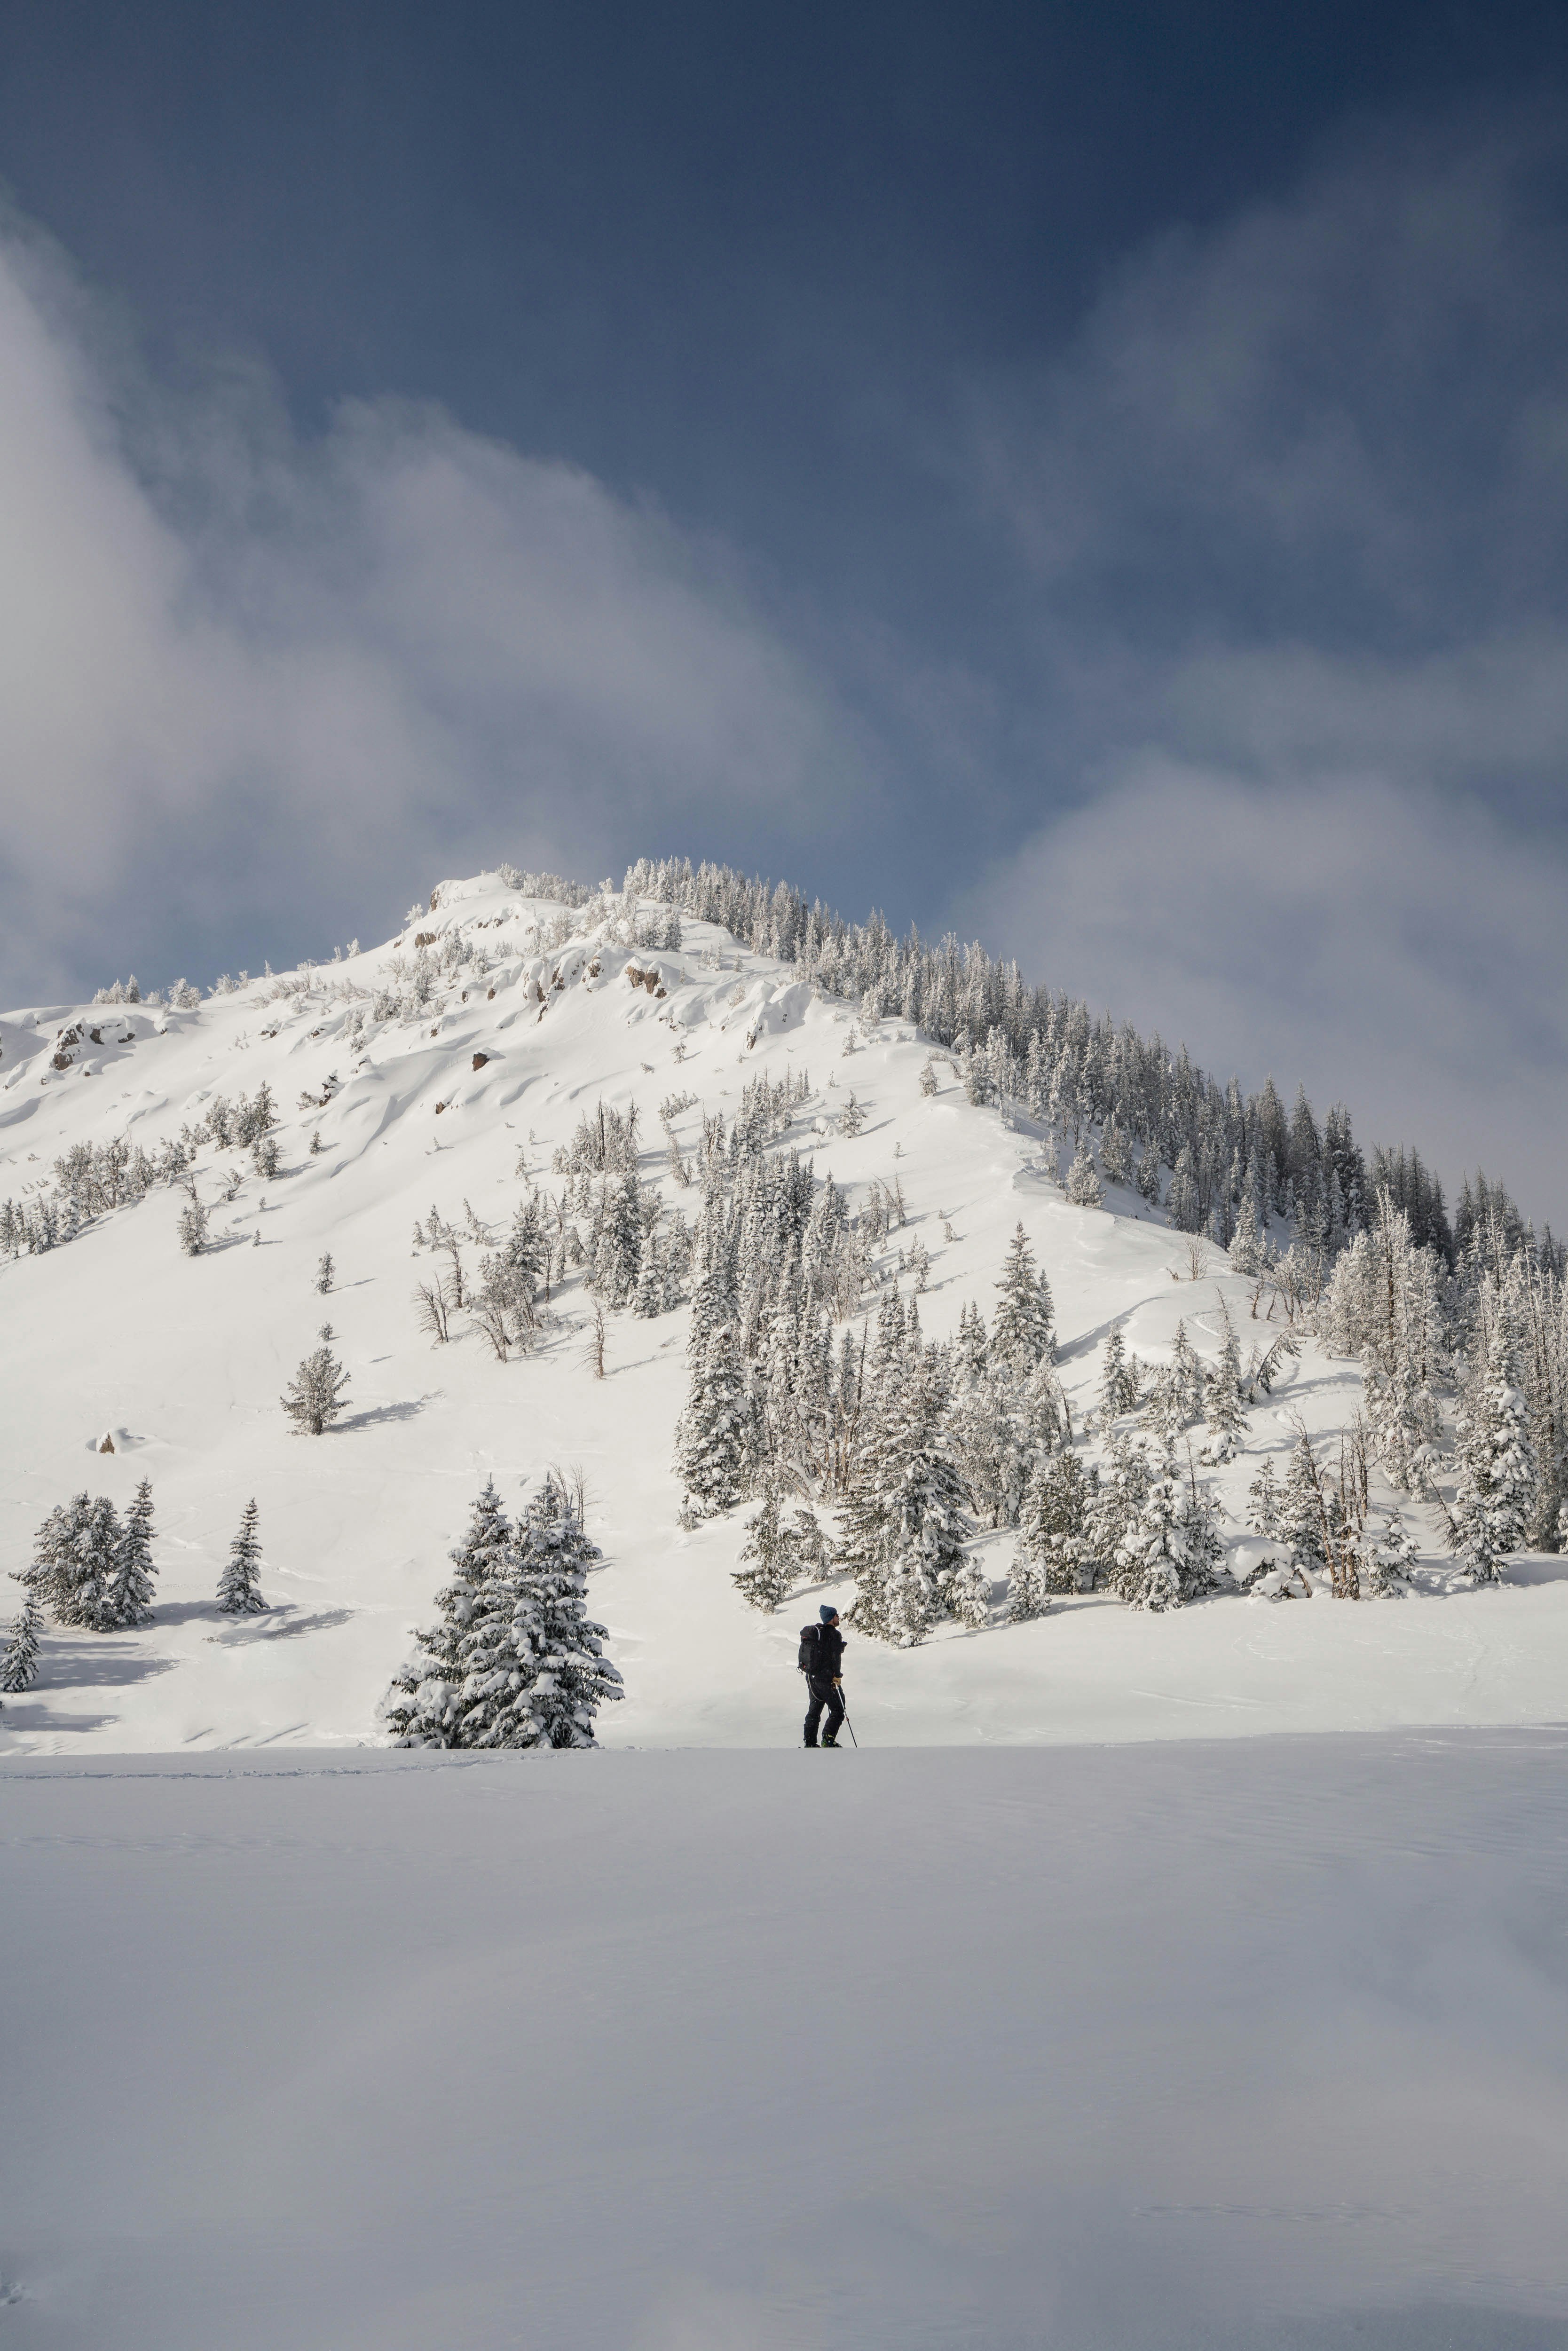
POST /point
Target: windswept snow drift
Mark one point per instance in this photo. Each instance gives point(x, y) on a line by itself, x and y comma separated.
point(183, 1361)
point(1208, 2048)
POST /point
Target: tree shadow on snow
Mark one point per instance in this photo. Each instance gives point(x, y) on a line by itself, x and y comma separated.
point(262, 1628)
point(377, 1414)
point(92, 1661)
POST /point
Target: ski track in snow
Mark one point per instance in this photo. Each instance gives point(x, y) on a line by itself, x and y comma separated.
point(184, 1358)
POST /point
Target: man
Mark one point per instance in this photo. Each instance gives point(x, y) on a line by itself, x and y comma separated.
point(823, 1680)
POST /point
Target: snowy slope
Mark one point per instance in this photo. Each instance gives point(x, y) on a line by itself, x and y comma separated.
point(184, 1361)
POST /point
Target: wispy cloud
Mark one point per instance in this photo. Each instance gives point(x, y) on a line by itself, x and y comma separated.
point(245, 675)
point(1294, 509)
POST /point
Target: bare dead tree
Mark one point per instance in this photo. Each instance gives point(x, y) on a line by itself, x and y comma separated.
point(432, 1310)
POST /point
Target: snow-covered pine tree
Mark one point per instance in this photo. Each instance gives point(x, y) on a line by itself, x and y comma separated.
point(1497, 1472)
point(192, 1226)
point(325, 1273)
point(19, 1660)
point(852, 1118)
point(904, 1525)
point(1183, 1209)
point(1115, 1157)
point(74, 1562)
point(1147, 1175)
point(1051, 1535)
point(316, 1395)
point(1084, 1189)
point(134, 1574)
point(1170, 1552)
point(1299, 1512)
point(1388, 1561)
point(767, 1566)
point(239, 1593)
point(1118, 1380)
point(1263, 1501)
point(1246, 1251)
point(571, 1676)
point(618, 1250)
point(712, 1440)
point(1023, 1326)
point(1223, 1413)
point(425, 1705)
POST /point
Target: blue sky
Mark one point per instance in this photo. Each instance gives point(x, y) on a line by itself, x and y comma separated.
point(1096, 477)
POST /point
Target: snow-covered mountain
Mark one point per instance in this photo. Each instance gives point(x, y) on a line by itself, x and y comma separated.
point(441, 1075)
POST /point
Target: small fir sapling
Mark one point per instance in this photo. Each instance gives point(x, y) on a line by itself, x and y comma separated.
point(326, 1272)
point(135, 1575)
point(19, 1659)
point(264, 1157)
point(191, 1226)
point(852, 1118)
point(238, 1592)
point(315, 1396)
point(315, 1143)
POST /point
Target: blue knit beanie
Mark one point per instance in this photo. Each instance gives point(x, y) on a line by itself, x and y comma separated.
point(826, 1612)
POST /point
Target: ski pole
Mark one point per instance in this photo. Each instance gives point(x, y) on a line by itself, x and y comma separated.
point(848, 1726)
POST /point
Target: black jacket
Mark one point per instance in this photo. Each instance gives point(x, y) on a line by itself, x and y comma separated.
point(830, 1652)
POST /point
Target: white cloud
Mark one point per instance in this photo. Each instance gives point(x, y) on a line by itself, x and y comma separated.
point(1295, 506)
point(1386, 947)
point(242, 674)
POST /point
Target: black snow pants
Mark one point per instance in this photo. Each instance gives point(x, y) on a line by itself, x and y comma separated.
point(823, 1694)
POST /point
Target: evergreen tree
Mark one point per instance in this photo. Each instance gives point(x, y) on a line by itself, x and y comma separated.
point(1387, 1562)
point(19, 1662)
point(852, 1118)
point(1497, 1472)
point(1225, 1420)
point(75, 1561)
point(1170, 1552)
point(1183, 1209)
point(905, 1527)
point(1051, 1535)
point(425, 1705)
point(1118, 1379)
point(1115, 1157)
point(1146, 1175)
point(1084, 1189)
point(1022, 1328)
point(132, 1595)
point(238, 1592)
point(515, 1661)
point(314, 1396)
point(325, 1273)
point(191, 1226)
point(1263, 1501)
point(1299, 1512)
point(712, 1440)
point(767, 1566)
point(618, 1250)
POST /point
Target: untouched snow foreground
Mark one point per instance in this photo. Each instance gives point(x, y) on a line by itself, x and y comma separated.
point(182, 1362)
point(1150, 2048)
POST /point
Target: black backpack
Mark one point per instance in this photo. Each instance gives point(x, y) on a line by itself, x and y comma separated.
point(809, 1658)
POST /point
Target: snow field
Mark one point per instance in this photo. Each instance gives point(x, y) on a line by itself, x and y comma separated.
point(1151, 2048)
point(185, 1360)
